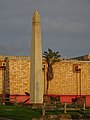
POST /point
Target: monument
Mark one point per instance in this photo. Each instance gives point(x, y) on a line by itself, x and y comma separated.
point(36, 85)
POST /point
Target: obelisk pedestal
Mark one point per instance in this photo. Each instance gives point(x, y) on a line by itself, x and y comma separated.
point(36, 87)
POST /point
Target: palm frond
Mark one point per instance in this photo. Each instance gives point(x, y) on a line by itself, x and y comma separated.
point(51, 56)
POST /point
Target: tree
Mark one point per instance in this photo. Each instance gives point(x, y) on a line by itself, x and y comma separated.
point(51, 57)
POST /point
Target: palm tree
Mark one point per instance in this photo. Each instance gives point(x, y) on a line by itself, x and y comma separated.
point(51, 57)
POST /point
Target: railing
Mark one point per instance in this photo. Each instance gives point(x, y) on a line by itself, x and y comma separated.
point(64, 107)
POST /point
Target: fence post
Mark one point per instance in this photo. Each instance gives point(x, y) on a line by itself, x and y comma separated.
point(43, 109)
point(65, 105)
point(15, 101)
point(75, 105)
point(3, 100)
point(84, 106)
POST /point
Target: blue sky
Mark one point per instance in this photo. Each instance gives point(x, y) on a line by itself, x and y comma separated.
point(65, 26)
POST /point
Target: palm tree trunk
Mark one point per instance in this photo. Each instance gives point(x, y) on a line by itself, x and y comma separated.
point(49, 76)
point(47, 86)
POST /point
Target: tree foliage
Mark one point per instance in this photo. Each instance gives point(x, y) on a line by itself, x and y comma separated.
point(51, 57)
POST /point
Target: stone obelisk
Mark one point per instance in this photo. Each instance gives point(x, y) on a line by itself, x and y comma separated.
point(36, 90)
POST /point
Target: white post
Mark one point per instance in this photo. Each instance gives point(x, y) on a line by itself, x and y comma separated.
point(84, 106)
point(43, 109)
point(65, 105)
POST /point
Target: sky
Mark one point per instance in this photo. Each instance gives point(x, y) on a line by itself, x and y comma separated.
point(65, 26)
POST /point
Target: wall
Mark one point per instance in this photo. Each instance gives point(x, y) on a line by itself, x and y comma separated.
point(19, 75)
point(66, 80)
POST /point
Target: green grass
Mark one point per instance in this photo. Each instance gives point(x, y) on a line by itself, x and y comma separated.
point(18, 113)
point(26, 113)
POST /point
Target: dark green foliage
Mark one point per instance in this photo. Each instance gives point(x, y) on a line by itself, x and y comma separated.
point(57, 99)
point(54, 98)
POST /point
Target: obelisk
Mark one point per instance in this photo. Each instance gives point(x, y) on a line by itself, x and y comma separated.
point(36, 90)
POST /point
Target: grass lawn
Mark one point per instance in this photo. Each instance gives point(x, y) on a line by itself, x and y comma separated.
point(18, 113)
point(26, 113)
